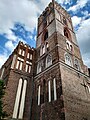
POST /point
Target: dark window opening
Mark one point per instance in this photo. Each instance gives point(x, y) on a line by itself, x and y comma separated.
point(66, 33)
point(45, 36)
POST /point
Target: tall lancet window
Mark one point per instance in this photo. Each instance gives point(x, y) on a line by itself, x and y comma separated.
point(39, 95)
point(76, 63)
point(43, 49)
point(39, 66)
point(48, 60)
point(46, 35)
point(20, 99)
point(22, 103)
point(54, 86)
point(68, 59)
point(49, 91)
point(16, 106)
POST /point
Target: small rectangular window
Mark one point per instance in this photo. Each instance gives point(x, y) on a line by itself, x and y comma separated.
point(21, 64)
point(31, 57)
point(29, 69)
point(20, 51)
point(23, 52)
point(28, 55)
point(17, 65)
point(26, 68)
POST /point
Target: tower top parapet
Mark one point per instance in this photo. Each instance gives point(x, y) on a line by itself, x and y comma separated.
point(53, 5)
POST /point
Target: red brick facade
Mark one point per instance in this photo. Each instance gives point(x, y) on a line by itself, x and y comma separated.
point(55, 83)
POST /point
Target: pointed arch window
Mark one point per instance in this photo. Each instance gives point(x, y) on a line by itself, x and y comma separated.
point(39, 67)
point(46, 35)
point(76, 63)
point(68, 59)
point(67, 33)
point(48, 61)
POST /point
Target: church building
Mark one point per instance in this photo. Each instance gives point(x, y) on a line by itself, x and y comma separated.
point(49, 82)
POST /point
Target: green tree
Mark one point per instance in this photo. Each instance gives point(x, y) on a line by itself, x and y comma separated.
point(2, 92)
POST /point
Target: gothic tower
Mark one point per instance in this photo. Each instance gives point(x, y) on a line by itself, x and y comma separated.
point(61, 82)
point(49, 82)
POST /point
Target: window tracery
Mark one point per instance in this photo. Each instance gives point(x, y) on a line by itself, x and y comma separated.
point(68, 59)
point(48, 61)
point(76, 63)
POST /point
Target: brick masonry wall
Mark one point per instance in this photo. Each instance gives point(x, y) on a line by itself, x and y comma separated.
point(10, 93)
point(76, 96)
point(53, 110)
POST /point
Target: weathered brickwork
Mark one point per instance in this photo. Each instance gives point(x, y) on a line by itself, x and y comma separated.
point(54, 84)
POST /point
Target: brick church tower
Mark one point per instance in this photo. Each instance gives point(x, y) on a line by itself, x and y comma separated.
point(49, 82)
point(61, 82)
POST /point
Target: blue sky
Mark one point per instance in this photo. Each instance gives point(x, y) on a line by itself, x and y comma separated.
point(18, 22)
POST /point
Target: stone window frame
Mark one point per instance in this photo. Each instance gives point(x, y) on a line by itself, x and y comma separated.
point(69, 56)
point(46, 35)
point(64, 21)
point(39, 67)
point(69, 46)
point(21, 51)
point(19, 65)
point(67, 33)
point(48, 63)
point(45, 32)
point(77, 64)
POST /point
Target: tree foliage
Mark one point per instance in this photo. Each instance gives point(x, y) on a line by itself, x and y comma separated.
point(2, 92)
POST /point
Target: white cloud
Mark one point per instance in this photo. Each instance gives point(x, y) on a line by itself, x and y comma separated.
point(11, 36)
point(83, 37)
point(64, 1)
point(76, 20)
point(80, 4)
point(35, 37)
point(23, 11)
point(9, 45)
point(3, 58)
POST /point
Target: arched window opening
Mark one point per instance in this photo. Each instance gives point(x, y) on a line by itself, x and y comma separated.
point(64, 21)
point(76, 63)
point(67, 45)
point(68, 59)
point(48, 61)
point(71, 48)
point(39, 68)
point(46, 36)
point(66, 33)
